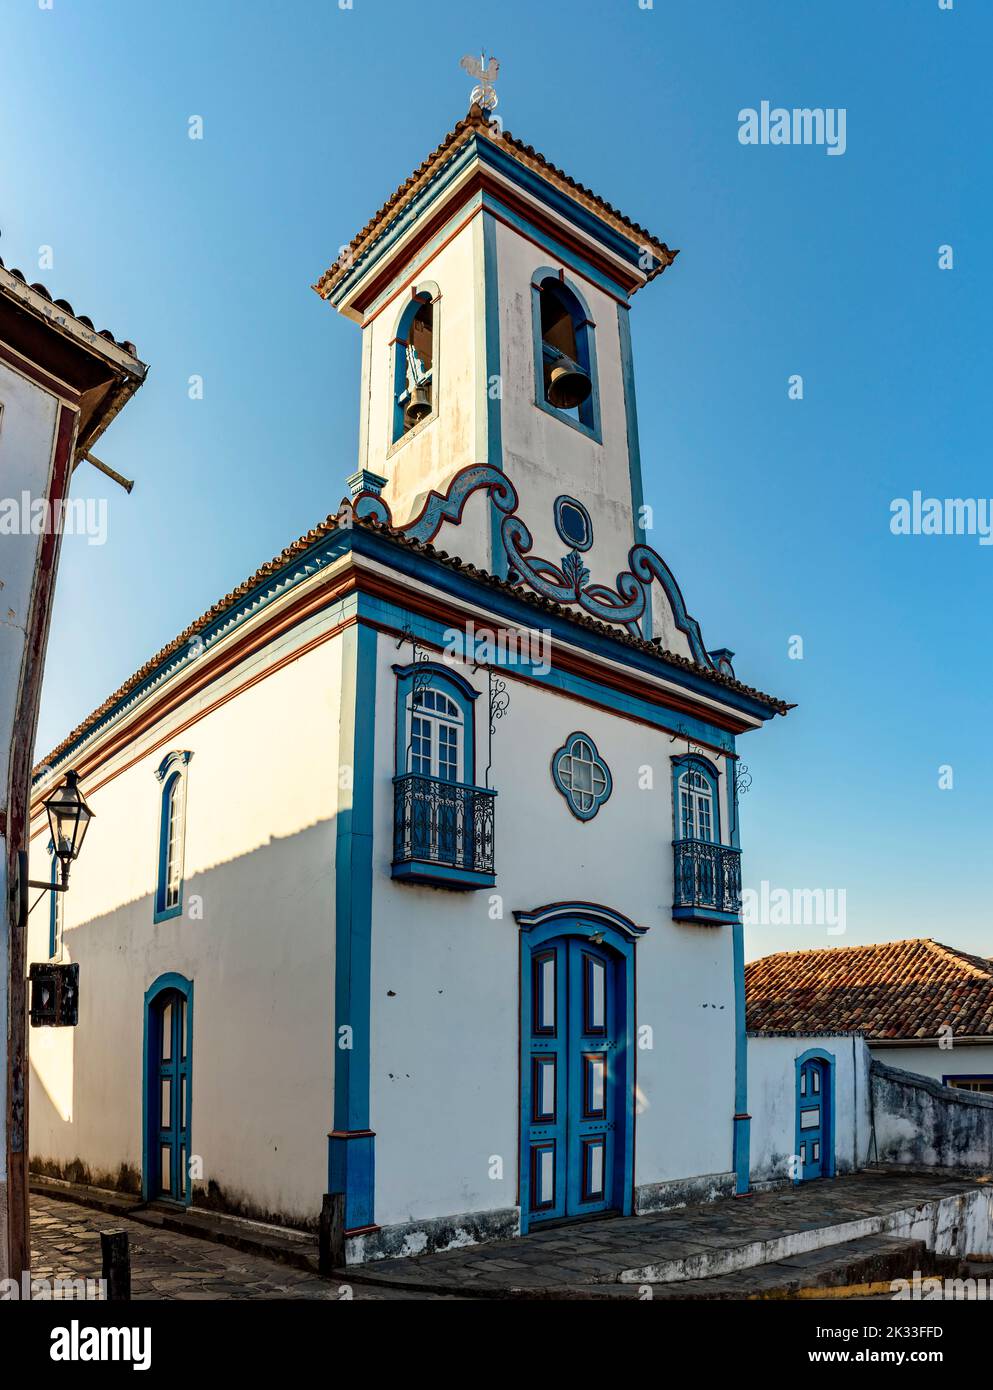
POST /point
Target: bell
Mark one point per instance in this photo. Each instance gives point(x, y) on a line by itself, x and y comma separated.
point(568, 384)
point(418, 408)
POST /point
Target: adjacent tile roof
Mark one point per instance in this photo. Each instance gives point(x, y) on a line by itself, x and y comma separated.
point(324, 529)
point(67, 308)
point(899, 990)
point(477, 120)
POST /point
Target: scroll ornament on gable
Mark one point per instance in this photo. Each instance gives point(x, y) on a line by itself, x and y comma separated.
point(626, 604)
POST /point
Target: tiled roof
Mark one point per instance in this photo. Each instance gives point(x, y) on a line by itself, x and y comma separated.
point(324, 529)
point(527, 154)
point(67, 308)
point(900, 989)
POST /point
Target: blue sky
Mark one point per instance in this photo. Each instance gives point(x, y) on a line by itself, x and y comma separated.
point(774, 514)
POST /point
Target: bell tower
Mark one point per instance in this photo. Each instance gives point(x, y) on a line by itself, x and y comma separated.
point(493, 292)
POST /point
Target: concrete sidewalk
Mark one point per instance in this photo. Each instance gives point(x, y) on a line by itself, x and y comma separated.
point(775, 1243)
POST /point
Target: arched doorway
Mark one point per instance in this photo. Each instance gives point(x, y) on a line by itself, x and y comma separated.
point(577, 1063)
point(167, 1099)
point(814, 1116)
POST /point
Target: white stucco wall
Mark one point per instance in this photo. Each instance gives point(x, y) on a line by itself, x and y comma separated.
point(963, 1059)
point(772, 1101)
point(27, 428)
point(433, 453)
point(260, 849)
point(446, 1041)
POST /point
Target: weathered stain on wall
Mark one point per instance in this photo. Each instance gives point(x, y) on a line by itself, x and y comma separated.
point(918, 1121)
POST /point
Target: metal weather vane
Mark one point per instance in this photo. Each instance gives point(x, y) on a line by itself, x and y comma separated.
point(485, 73)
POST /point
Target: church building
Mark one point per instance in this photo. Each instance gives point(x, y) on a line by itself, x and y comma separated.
point(414, 867)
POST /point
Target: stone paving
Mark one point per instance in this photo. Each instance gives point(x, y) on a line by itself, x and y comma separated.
point(581, 1260)
point(65, 1242)
point(586, 1259)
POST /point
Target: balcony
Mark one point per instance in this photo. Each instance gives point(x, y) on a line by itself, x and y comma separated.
point(442, 833)
point(706, 881)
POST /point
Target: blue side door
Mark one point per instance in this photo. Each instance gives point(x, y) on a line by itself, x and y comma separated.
point(573, 1121)
point(812, 1119)
point(169, 1109)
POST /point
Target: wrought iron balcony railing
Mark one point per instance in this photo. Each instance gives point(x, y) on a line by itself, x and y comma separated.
point(706, 881)
point(442, 832)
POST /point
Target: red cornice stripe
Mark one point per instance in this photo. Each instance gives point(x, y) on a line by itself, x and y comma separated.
point(351, 580)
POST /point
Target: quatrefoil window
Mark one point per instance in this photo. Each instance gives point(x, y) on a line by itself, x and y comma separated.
point(581, 775)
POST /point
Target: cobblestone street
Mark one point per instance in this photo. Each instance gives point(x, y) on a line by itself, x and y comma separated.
point(65, 1242)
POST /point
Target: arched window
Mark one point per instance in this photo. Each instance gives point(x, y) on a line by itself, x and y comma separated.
point(437, 735)
point(695, 808)
point(415, 363)
point(442, 821)
point(565, 353)
point(171, 772)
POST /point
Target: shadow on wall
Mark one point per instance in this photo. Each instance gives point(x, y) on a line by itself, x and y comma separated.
point(256, 937)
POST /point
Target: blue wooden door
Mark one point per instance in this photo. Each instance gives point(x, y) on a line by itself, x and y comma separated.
point(168, 1111)
point(573, 1104)
point(812, 1119)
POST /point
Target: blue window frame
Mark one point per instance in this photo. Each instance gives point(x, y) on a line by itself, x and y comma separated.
point(581, 775)
point(564, 330)
point(695, 802)
point(435, 723)
point(972, 1081)
point(171, 772)
point(573, 523)
point(415, 363)
point(442, 822)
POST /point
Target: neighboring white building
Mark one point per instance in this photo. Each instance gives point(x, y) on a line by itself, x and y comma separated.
point(809, 1097)
point(61, 384)
point(916, 1005)
point(414, 871)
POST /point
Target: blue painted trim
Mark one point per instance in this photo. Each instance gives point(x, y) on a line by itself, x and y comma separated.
point(818, 1054)
point(183, 986)
point(706, 916)
point(566, 501)
point(489, 408)
point(451, 683)
point(328, 549)
point(633, 443)
point(588, 422)
point(548, 924)
point(440, 875)
point(627, 247)
point(170, 772)
point(566, 751)
point(592, 914)
point(742, 1120)
point(351, 1164)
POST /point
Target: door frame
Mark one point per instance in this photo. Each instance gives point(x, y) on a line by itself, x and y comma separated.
point(827, 1059)
point(619, 934)
point(163, 985)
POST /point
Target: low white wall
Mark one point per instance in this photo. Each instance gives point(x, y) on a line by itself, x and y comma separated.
point(772, 1101)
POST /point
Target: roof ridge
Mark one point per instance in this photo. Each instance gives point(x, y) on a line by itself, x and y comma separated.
point(477, 120)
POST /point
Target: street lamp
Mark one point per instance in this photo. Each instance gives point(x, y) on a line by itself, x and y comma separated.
point(68, 821)
point(54, 985)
